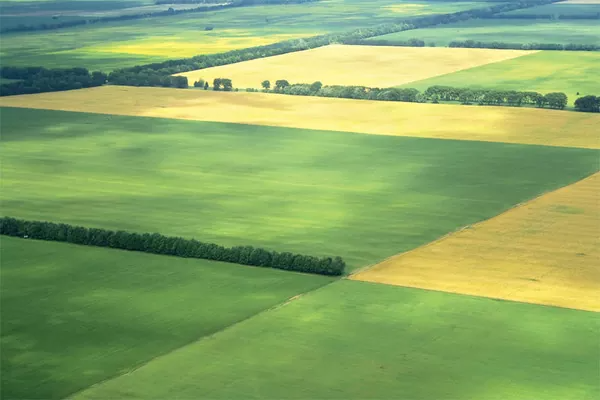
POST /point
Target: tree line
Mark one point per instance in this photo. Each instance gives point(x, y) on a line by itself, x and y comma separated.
point(147, 78)
point(31, 80)
point(156, 243)
point(171, 67)
point(147, 14)
point(546, 16)
point(433, 94)
point(472, 44)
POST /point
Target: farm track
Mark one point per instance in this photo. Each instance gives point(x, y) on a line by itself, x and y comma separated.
point(440, 121)
point(545, 251)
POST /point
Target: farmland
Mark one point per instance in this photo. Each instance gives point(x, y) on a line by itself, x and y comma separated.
point(564, 8)
point(544, 72)
point(117, 45)
point(545, 251)
point(461, 222)
point(75, 315)
point(506, 30)
point(309, 192)
point(423, 344)
point(338, 65)
point(490, 124)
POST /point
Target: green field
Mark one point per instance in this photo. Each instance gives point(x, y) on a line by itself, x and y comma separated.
point(507, 31)
point(116, 45)
point(547, 71)
point(559, 9)
point(355, 340)
point(74, 315)
point(362, 197)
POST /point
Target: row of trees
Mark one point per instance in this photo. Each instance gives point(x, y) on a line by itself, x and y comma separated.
point(38, 79)
point(588, 104)
point(546, 16)
point(434, 94)
point(168, 245)
point(147, 78)
point(472, 44)
point(206, 61)
point(513, 98)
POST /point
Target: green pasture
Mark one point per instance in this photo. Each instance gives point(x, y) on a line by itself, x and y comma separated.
point(571, 72)
point(559, 9)
point(507, 31)
point(362, 197)
point(116, 45)
point(74, 315)
point(355, 340)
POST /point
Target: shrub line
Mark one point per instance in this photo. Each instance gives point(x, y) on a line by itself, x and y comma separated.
point(156, 243)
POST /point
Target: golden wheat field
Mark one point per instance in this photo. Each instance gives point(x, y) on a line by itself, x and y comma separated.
point(546, 251)
point(491, 124)
point(373, 66)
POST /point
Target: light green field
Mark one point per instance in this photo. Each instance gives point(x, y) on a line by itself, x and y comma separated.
point(117, 45)
point(355, 340)
point(571, 72)
point(75, 315)
point(559, 9)
point(507, 31)
point(362, 197)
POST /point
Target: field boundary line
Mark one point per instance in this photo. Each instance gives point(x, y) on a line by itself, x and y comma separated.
point(458, 230)
point(201, 338)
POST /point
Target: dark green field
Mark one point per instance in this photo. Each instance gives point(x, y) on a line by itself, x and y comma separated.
point(362, 197)
point(355, 340)
point(75, 315)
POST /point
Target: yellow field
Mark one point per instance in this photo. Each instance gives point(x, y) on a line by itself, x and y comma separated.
point(546, 251)
point(492, 124)
point(372, 66)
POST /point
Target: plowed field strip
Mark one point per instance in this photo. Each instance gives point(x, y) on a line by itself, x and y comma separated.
point(545, 251)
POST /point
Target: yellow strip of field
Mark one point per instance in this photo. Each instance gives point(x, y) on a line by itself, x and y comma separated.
point(443, 121)
point(546, 251)
point(373, 66)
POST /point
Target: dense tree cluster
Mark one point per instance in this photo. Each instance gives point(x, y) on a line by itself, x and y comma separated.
point(212, 60)
point(147, 78)
point(38, 79)
point(434, 94)
point(472, 44)
point(147, 14)
point(383, 42)
point(169, 245)
point(588, 104)
point(224, 84)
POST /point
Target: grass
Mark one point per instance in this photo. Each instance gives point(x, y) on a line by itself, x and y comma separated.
point(117, 45)
point(73, 315)
point(338, 65)
point(508, 31)
point(492, 124)
point(544, 72)
point(354, 340)
point(362, 197)
point(545, 251)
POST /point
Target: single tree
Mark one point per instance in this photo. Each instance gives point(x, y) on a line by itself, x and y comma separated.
point(266, 84)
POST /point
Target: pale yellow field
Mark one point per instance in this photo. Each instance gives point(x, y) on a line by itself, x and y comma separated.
point(546, 251)
point(372, 66)
point(491, 124)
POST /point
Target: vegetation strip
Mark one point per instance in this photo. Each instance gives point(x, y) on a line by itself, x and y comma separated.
point(476, 44)
point(168, 245)
point(435, 94)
